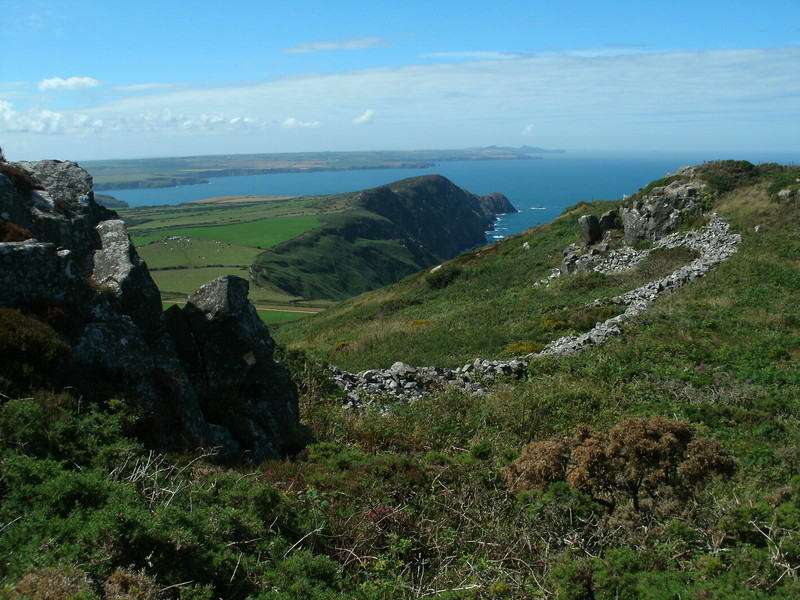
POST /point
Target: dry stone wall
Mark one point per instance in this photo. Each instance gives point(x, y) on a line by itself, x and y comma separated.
point(715, 242)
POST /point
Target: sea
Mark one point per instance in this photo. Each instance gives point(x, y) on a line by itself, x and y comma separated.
point(539, 188)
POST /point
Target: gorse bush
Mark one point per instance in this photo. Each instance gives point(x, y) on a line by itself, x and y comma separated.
point(638, 459)
point(726, 175)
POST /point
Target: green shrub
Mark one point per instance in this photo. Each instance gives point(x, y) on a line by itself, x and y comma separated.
point(482, 450)
point(443, 276)
point(521, 348)
point(726, 175)
point(663, 261)
point(577, 319)
point(31, 354)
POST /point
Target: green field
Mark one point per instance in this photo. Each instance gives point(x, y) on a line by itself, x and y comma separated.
point(187, 246)
point(242, 222)
point(263, 233)
point(182, 282)
point(185, 252)
point(270, 317)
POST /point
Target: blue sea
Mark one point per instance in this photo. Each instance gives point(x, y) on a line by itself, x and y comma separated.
point(540, 189)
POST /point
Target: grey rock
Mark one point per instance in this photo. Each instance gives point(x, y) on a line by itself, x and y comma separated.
point(120, 272)
point(660, 212)
point(64, 180)
point(590, 230)
point(610, 220)
point(205, 375)
point(233, 362)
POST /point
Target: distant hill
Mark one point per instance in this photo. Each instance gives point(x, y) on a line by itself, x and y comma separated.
point(387, 233)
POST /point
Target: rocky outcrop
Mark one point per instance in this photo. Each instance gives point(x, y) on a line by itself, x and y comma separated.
point(715, 243)
point(228, 353)
point(660, 212)
point(205, 374)
point(436, 213)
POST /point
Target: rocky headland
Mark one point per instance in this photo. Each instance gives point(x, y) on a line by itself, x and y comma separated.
point(385, 234)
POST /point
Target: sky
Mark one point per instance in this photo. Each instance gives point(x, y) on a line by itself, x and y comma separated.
point(84, 80)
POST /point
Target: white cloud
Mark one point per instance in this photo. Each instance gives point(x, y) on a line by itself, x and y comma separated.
point(366, 118)
point(82, 123)
point(291, 123)
point(351, 44)
point(711, 99)
point(475, 55)
point(145, 87)
point(77, 84)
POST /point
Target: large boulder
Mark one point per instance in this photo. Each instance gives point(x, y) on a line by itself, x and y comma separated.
point(119, 272)
point(244, 392)
point(590, 230)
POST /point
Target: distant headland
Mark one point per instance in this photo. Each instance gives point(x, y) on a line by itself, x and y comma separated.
point(190, 170)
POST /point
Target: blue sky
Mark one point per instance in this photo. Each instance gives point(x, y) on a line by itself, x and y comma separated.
point(90, 80)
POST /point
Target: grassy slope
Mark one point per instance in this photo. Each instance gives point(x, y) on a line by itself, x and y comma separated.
point(479, 304)
point(413, 503)
point(482, 304)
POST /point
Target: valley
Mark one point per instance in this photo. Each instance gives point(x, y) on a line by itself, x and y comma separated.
point(303, 253)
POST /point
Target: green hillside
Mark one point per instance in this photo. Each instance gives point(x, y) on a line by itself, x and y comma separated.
point(664, 464)
point(385, 234)
point(315, 249)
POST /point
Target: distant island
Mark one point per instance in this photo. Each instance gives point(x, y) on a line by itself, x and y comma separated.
point(191, 170)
